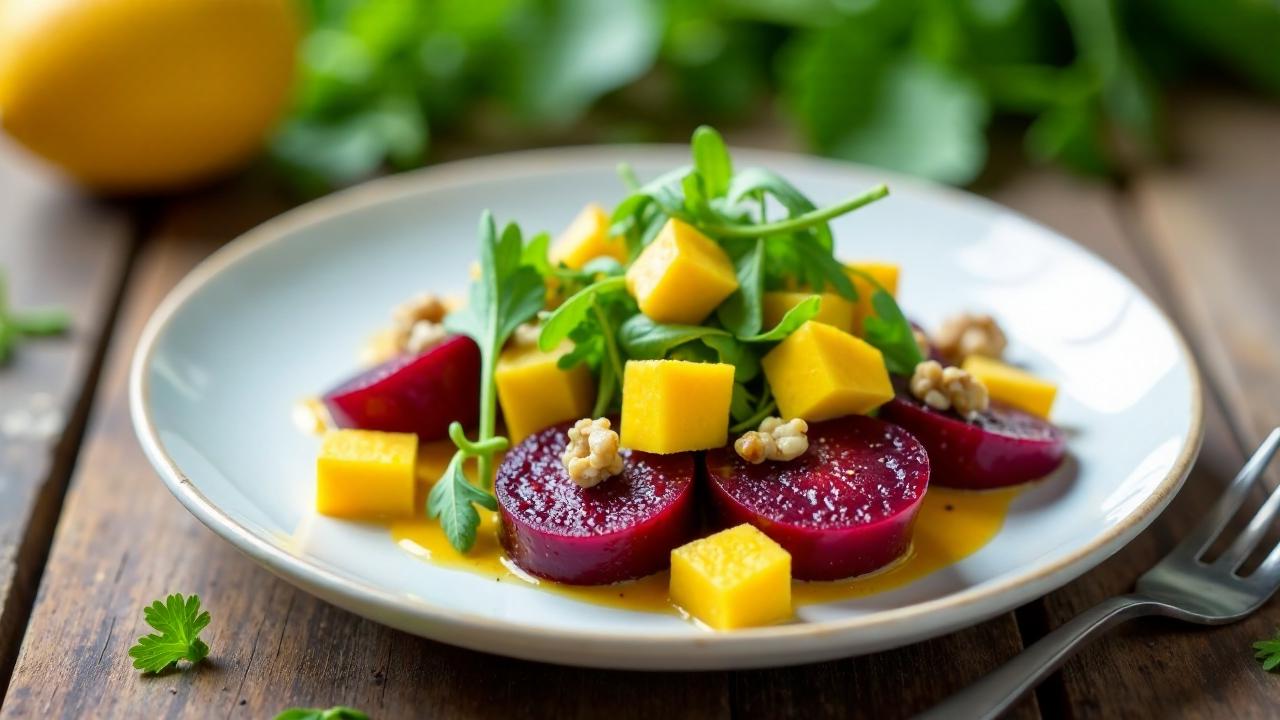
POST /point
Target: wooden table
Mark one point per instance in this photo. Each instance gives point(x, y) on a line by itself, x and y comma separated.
point(89, 535)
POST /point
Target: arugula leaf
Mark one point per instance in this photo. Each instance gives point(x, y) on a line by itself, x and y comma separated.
point(754, 180)
point(802, 313)
point(339, 712)
point(889, 331)
point(573, 312)
point(745, 362)
point(179, 622)
point(453, 499)
point(1268, 652)
point(711, 158)
point(14, 326)
point(819, 268)
point(507, 293)
point(644, 339)
point(742, 313)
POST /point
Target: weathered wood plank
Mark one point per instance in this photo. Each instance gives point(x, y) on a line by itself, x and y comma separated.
point(1166, 241)
point(56, 248)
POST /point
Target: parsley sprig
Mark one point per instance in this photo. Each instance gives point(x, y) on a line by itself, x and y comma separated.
point(509, 291)
point(16, 326)
point(1268, 652)
point(178, 622)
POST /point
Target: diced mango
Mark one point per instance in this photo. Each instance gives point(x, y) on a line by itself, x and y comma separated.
point(832, 310)
point(820, 372)
point(681, 276)
point(1012, 386)
point(671, 406)
point(884, 273)
point(365, 474)
point(587, 238)
point(534, 393)
point(736, 578)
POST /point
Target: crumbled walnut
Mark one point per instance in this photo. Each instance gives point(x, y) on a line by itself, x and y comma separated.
point(949, 388)
point(966, 334)
point(591, 457)
point(418, 308)
point(526, 335)
point(311, 416)
point(775, 440)
point(424, 335)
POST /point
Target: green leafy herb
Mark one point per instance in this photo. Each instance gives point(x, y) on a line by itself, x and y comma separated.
point(889, 330)
point(743, 312)
point(644, 339)
point(509, 291)
point(1268, 652)
point(802, 313)
point(15, 326)
point(334, 713)
point(178, 622)
point(711, 158)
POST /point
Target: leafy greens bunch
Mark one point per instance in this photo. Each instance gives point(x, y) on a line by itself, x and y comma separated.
point(913, 85)
point(605, 327)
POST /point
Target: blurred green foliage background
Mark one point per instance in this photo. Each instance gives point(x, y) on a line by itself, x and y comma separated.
point(911, 85)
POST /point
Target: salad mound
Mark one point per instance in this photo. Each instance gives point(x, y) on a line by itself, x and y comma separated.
point(699, 351)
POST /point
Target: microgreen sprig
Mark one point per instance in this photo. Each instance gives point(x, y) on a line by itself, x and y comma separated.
point(178, 622)
point(509, 291)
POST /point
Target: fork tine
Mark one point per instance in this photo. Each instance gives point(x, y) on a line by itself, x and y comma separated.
point(1211, 527)
point(1240, 548)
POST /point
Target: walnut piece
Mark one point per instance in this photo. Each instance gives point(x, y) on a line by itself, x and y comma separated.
point(774, 440)
point(416, 323)
point(922, 341)
point(526, 335)
point(424, 335)
point(967, 334)
point(591, 457)
point(949, 388)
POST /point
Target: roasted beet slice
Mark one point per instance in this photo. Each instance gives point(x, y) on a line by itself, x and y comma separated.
point(413, 393)
point(1002, 446)
point(623, 528)
point(844, 508)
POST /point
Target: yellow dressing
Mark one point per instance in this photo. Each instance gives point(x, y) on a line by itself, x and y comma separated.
point(952, 525)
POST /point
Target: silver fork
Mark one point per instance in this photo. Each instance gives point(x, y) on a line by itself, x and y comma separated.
point(1181, 586)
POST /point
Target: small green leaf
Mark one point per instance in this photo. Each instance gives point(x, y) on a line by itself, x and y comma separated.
point(802, 313)
point(573, 311)
point(43, 321)
point(745, 361)
point(889, 331)
point(743, 312)
point(711, 158)
point(179, 622)
point(452, 499)
point(644, 339)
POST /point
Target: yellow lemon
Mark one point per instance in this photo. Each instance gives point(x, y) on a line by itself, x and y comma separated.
point(138, 95)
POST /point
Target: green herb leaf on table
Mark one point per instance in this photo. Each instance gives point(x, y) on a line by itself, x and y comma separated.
point(178, 622)
point(802, 313)
point(14, 326)
point(334, 713)
point(1268, 652)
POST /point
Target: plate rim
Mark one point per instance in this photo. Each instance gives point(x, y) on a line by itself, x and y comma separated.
point(999, 594)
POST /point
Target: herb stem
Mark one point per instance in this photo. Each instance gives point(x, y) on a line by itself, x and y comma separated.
point(611, 350)
point(488, 421)
point(799, 222)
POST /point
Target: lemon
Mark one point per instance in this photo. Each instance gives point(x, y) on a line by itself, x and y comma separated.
point(145, 95)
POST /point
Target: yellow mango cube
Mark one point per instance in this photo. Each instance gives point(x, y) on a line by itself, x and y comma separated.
point(884, 273)
point(681, 276)
point(534, 393)
point(671, 406)
point(366, 474)
point(1009, 385)
point(736, 578)
point(820, 372)
point(832, 309)
point(587, 238)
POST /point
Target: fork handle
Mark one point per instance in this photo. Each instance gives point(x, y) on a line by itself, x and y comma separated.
point(995, 693)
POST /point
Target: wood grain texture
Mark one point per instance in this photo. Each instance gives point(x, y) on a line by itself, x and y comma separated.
point(56, 249)
point(1154, 668)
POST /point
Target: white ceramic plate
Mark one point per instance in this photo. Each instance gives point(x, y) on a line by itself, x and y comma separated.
point(278, 314)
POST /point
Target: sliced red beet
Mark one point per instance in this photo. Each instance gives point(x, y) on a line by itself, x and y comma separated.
point(623, 528)
point(1002, 446)
point(844, 508)
point(413, 393)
